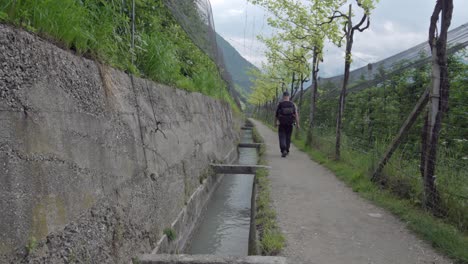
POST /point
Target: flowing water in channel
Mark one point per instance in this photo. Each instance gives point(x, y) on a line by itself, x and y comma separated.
point(224, 229)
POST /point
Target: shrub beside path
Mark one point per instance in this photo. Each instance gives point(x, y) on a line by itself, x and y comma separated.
point(325, 222)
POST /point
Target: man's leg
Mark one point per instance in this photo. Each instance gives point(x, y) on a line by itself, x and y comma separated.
point(282, 138)
point(288, 131)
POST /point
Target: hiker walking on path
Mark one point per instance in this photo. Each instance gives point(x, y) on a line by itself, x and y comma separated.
point(286, 116)
point(325, 222)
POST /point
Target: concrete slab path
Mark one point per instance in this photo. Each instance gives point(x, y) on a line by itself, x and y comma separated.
point(325, 222)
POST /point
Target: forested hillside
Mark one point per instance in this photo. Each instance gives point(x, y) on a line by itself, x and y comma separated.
point(236, 65)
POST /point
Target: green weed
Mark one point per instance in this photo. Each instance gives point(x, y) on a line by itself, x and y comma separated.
point(170, 233)
point(271, 240)
point(136, 260)
point(32, 245)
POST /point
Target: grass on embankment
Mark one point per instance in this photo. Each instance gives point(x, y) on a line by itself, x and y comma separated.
point(271, 240)
point(102, 30)
point(441, 235)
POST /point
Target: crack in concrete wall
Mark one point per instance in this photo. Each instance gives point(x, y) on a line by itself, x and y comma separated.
point(95, 163)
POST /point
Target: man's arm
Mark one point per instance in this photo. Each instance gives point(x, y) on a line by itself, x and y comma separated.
point(276, 116)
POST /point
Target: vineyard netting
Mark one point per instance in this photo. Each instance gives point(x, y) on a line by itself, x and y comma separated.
point(196, 17)
point(410, 58)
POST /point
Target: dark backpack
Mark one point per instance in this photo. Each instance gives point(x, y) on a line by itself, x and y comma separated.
point(286, 113)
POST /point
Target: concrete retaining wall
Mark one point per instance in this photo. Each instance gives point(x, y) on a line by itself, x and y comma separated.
point(94, 163)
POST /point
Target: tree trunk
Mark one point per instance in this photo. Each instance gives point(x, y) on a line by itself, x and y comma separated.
point(301, 91)
point(292, 85)
point(438, 104)
point(313, 97)
point(276, 98)
point(341, 106)
point(302, 80)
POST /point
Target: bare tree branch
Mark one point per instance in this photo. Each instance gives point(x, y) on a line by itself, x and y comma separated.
point(363, 19)
point(434, 19)
point(336, 14)
point(345, 27)
point(366, 27)
point(292, 32)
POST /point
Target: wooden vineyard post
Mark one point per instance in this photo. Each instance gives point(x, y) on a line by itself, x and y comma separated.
point(376, 176)
point(313, 99)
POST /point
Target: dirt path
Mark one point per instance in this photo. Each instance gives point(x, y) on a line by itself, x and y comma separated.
point(325, 222)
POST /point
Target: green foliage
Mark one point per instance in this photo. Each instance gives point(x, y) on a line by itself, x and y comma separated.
point(236, 65)
point(3, 16)
point(265, 84)
point(136, 260)
point(271, 239)
point(32, 245)
point(302, 26)
point(170, 233)
point(102, 29)
point(272, 242)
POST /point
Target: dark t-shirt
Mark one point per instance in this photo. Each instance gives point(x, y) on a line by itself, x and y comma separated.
point(286, 112)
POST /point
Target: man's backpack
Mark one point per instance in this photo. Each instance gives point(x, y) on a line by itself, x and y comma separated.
point(286, 113)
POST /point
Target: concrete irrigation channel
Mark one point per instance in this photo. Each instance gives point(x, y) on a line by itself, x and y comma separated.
point(221, 217)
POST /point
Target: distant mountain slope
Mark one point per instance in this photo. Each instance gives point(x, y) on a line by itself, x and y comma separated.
point(236, 65)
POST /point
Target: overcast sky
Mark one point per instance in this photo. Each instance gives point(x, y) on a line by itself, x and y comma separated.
point(396, 25)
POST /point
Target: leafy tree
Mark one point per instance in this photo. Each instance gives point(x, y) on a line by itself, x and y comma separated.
point(306, 24)
point(292, 56)
point(349, 28)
